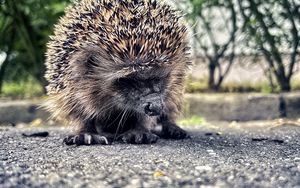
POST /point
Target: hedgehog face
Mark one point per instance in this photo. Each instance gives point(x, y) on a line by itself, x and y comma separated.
point(142, 95)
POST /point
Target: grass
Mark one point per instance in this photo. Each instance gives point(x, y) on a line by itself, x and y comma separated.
point(262, 87)
point(194, 85)
point(191, 121)
point(295, 84)
point(24, 89)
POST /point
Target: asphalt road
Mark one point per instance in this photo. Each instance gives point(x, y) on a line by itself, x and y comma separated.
point(231, 156)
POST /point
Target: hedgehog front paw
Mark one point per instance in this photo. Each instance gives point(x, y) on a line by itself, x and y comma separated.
point(138, 137)
point(172, 131)
point(86, 139)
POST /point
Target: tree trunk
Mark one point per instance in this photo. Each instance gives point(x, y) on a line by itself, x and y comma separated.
point(211, 77)
point(2, 73)
point(284, 84)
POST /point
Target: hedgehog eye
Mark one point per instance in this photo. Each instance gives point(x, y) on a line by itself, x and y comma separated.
point(125, 82)
point(156, 79)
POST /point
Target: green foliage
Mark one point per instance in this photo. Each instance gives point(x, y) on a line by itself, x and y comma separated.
point(272, 29)
point(24, 29)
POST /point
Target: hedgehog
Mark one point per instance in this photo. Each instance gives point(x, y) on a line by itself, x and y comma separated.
point(116, 71)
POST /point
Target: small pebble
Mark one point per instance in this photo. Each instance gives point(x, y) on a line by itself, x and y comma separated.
point(37, 134)
point(259, 139)
point(203, 168)
point(158, 173)
point(278, 141)
point(297, 159)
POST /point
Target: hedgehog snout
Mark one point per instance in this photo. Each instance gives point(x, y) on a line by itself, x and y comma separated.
point(153, 106)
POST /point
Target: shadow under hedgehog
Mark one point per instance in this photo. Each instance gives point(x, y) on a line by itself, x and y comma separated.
point(116, 70)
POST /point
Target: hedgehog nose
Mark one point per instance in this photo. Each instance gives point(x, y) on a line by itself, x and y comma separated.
point(153, 109)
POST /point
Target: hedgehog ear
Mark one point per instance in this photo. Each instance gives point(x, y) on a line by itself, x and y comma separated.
point(91, 61)
point(80, 62)
point(94, 60)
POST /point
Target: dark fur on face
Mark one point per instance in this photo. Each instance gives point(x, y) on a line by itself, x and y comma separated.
point(115, 86)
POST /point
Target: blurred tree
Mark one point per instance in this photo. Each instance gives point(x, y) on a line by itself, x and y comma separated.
point(24, 30)
point(273, 28)
point(215, 33)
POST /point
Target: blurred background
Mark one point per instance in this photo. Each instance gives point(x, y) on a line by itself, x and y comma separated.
point(238, 45)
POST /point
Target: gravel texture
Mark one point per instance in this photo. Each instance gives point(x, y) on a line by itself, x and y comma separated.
point(228, 155)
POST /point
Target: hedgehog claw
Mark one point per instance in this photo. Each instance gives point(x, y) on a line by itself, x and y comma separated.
point(86, 139)
point(138, 137)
